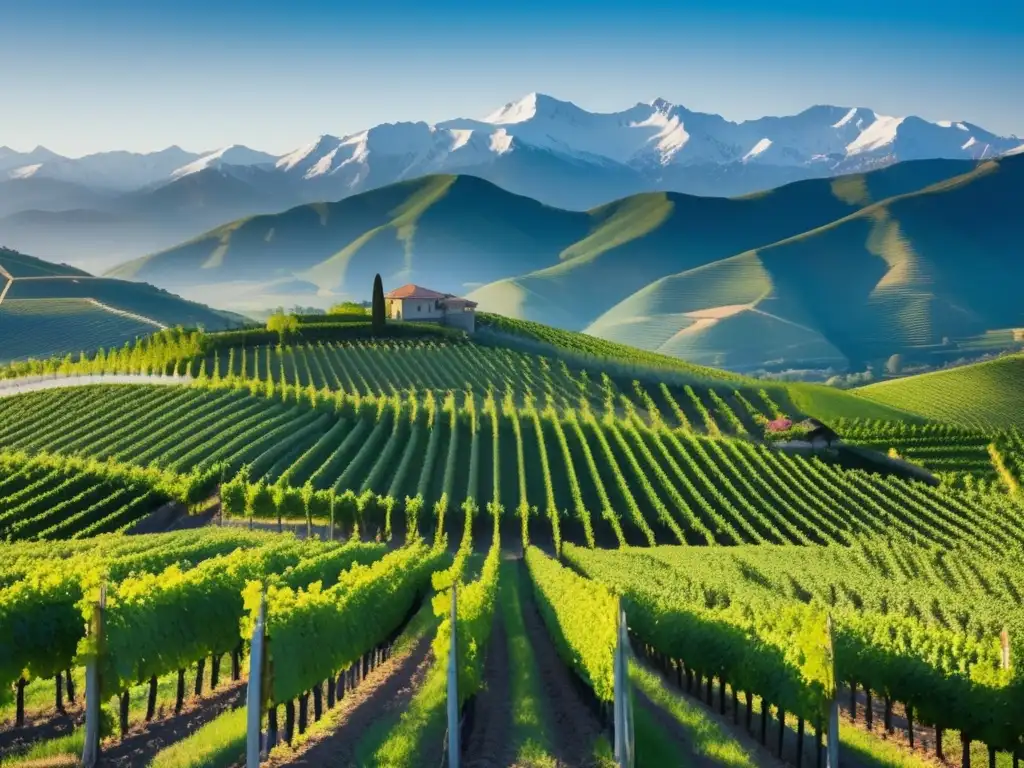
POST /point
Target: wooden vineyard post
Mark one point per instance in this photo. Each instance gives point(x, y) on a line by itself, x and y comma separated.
point(833, 707)
point(254, 694)
point(453, 690)
point(93, 684)
point(624, 752)
point(1004, 641)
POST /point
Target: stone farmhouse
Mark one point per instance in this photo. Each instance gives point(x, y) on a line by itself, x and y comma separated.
point(414, 303)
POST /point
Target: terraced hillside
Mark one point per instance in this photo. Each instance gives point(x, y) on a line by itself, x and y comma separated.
point(573, 475)
point(52, 310)
point(983, 395)
point(945, 449)
point(43, 328)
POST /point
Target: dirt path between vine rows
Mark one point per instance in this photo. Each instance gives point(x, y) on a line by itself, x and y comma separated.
point(489, 743)
point(388, 688)
point(48, 725)
point(142, 743)
point(573, 725)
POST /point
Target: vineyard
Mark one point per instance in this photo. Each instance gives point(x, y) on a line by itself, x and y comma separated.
point(985, 395)
point(565, 474)
point(545, 491)
point(44, 497)
point(33, 327)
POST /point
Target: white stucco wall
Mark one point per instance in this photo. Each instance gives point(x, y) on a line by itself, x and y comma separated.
point(416, 309)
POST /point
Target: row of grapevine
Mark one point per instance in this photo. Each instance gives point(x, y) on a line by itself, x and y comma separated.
point(608, 481)
point(940, 448)
point(474, 618)
point(46, 496)
point(43, 601)
point(757, 640)
point(581, 617)
point(342, 622)
point(382, 367)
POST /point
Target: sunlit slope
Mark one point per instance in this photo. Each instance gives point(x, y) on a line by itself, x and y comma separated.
point(989, 394)
point(457, 233)
point(634, 242)
point(448, 232)
point(907, 274)
point(54, 327)
point(18, 264)
point(157, 305)
point(720, 314)
point(52, 310)
point(794, 399)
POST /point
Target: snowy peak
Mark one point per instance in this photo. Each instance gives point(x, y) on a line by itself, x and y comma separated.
point(879, 133)
point(650, 145)
point(234, 154)
point(309, 155)
point(530, 107)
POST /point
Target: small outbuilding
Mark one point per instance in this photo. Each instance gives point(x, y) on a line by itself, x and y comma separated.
point(414, 303)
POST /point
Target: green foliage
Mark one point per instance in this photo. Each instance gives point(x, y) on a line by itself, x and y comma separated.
point(984, 395)
point(581, 617)
point(756, 617)
point(46, 586)
point(283, 325)
point(348, 308)
point(342, 622)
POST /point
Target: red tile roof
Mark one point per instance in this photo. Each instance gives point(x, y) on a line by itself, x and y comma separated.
point(411, 291)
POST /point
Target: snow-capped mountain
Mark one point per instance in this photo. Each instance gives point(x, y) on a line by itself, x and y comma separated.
point(129, 204)
point(232, 155)
point(118, 170)
point(651, 142)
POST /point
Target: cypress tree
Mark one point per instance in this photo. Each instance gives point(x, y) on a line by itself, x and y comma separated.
point(377, 315)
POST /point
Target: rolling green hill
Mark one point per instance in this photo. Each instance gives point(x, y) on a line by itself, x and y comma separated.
point(926, 274)
point(821, 273)
point(52, 310)
point(14, 264)
point(457, 233)
point(54, 327)
point(636, 241)
point(448, 231)
point(986, 395)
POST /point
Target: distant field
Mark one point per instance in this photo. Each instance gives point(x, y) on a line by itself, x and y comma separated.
point(137, 298)
point(56, 327)
point(19, 265)
point(984, 395)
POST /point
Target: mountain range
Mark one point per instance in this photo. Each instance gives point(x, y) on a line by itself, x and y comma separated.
point(104, 208)
point(919, 258)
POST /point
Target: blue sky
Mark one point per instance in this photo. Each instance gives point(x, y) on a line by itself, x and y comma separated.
point(81, 76)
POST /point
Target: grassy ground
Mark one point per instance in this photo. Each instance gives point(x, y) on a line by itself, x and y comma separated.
point(532, 743)
point(218, 744)
point(397, 740)
point(828, 403)
point(532, 731)
point(707, 737)
point(422, 625)
point(65, 750)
